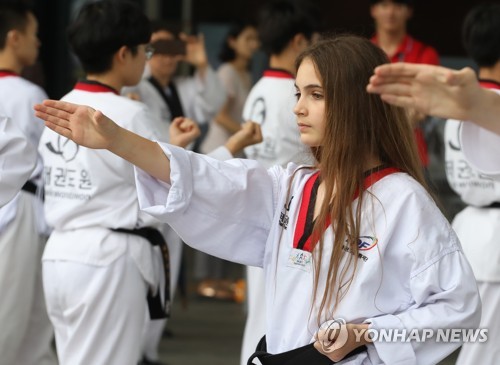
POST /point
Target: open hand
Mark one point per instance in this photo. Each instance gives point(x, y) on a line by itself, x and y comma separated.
point(82, 124)
point(432, 90)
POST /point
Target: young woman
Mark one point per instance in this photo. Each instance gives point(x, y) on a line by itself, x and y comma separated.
point(355, 239)
point(239, 46)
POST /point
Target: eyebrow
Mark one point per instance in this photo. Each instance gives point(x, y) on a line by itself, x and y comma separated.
point(310, 86)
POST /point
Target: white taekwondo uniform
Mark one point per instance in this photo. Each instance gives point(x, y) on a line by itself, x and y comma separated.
point(17, 159)
point(411, 270)
point(477, 227)
point(200, 97)
point(96, 280)
point(26, 331)
point(270, 103)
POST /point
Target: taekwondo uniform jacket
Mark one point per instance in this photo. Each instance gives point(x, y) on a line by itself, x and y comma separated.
point(17, 98)
point(270, 103)
point(17, 159)
point(411, 269)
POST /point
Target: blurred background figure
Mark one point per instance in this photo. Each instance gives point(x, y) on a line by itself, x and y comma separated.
point(391, 22)
point(218, 278)
point(234, 74)
point(478, 224)
point(26, 332)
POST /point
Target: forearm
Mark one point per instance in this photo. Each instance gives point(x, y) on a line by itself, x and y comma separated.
point(226, 122)
point(143, 153)
point(485, 114)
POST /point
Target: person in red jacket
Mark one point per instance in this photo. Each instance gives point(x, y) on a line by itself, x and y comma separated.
point(391, 18)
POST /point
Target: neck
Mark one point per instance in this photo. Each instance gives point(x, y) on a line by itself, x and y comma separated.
point(8, 62)
point(389, 41)
point(107, 79)
point(162, 80)
point(284, 61)
point(240, 64)
point(490, 73)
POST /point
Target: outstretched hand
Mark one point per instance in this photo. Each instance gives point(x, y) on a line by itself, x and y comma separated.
point(82, 124)
point(432, 90)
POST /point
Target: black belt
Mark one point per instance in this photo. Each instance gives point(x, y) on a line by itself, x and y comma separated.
point(30, 187)
point(156, 309)
point(300, 356)
point(493, 205)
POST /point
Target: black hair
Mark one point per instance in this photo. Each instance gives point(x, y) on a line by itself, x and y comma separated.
point(481, 34)
point(282, 20)
point(102, 28)
point(167, 26)
point(13, 16)
point(404, 2)
point(227, 54)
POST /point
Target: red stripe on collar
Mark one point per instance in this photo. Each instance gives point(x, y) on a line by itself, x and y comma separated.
point(489, 84)
point(94, 87)
point(4, 73)
point(281, 74)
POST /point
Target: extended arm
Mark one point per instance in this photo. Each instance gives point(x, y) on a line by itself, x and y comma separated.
point(90, 128)
point(438, 91)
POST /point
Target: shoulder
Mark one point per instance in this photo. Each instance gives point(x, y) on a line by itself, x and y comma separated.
point(226, 69)
point(27, 89)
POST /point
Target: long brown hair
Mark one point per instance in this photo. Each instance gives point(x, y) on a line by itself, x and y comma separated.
point(357, 125)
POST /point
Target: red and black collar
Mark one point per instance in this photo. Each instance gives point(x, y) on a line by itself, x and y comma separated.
point(94, 87)
point(303, 239)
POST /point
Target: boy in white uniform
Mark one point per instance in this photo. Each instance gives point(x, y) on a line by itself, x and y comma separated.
point(96, 280)
point(392, 262)
point(17, 158)
point(285, 30)
point(477, 225)
point(26, 331)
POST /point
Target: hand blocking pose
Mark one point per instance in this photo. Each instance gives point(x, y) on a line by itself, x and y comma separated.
point(447, 93)
point(354, 238)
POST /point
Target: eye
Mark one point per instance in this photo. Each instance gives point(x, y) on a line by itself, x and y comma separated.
point(317, 96)
point(297, 95)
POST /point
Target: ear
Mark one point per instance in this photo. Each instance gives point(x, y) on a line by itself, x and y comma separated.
point(410, 13)
point(122, 54)
point(12, 38)
point(231, 42)
point(299, 42)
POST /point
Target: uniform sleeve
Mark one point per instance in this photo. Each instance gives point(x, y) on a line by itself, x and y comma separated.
point(444, 295)
point(221, 153)
point(222, 208)
point(201, 97)
point(17, 160)
point(481, 149)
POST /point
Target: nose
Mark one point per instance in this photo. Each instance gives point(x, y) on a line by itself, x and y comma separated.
point(299, 108)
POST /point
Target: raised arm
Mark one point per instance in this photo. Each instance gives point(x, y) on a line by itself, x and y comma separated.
point(438, 91)
point(91, 128)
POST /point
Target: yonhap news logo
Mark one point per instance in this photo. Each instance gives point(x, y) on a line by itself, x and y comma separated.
point(334, 334)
